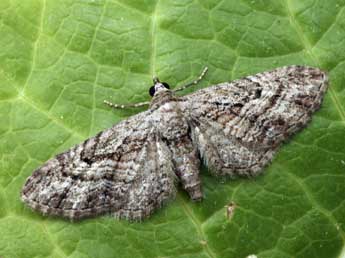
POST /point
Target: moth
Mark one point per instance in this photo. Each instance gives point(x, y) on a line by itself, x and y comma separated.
point(132, 168)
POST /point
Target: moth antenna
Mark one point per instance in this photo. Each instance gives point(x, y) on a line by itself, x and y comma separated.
point(196, 81)
point(122, 106)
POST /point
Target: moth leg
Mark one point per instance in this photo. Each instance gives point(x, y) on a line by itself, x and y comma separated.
point(116, 106)
point(186, 161)
point(196, 81)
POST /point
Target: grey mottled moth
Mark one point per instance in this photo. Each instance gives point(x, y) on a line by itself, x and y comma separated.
point(132, 168)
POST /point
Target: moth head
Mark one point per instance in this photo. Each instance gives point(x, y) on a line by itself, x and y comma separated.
point(158, 86)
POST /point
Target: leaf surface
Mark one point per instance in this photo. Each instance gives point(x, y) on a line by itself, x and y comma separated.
point(60, 59)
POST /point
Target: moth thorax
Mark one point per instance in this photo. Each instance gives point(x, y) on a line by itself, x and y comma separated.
point(173, 125)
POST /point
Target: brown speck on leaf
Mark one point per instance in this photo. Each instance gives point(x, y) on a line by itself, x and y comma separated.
point(230, 209)
point(203, 242)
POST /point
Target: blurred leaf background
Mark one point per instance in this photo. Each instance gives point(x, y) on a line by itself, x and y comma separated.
point(60, 59)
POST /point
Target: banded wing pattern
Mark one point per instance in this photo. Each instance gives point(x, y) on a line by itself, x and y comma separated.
point(116, 171)
point(238, 126)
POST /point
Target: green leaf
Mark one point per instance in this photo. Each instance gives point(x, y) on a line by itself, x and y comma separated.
point(60, 59)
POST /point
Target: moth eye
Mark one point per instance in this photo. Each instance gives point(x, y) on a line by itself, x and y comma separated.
point(166, 85)
point(152, 91)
